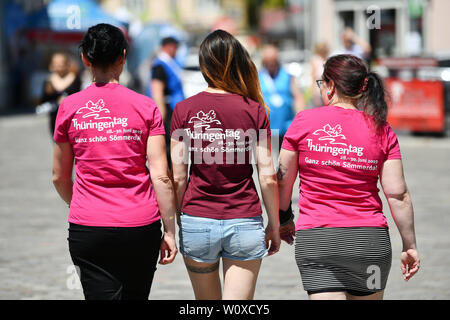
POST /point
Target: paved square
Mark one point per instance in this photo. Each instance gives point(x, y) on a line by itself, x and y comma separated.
point(34, 257)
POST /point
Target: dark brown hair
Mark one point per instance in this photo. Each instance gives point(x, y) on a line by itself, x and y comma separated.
point(353, 80)
point(103, 44)
point(226, 65)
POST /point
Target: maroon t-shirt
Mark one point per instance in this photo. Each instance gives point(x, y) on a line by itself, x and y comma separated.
point(220, 131)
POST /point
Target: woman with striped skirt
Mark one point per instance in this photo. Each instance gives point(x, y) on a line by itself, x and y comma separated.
point(340, 151)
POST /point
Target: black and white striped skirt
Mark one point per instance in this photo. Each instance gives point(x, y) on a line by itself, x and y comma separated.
point(356, 260)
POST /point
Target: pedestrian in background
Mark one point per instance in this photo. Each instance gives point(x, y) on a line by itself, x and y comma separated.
point(63, 80)
point(280, 91)
point(221, 214)
point(340, 151)
point(354, 45)
point(116, 202)
point(166, 87)
point(321, 52)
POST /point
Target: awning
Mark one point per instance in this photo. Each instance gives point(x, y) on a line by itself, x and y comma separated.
point(68, 16)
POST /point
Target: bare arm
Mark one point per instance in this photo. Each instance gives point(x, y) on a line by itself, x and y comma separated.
point(287, 174)
point(394, 187)
point(62, 170)
point(179, 170)
point(157, 87)
point(165, 196)
point(269, 191)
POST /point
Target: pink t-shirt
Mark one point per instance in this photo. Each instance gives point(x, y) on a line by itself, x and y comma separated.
point(108, 126)
point(340, 158)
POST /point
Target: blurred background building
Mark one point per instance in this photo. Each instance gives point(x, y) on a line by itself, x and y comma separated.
point(33, 29)
point(407, 27)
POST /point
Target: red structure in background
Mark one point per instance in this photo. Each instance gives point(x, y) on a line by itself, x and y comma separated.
point(49, 36)
point(61, 37)
point(415, 105)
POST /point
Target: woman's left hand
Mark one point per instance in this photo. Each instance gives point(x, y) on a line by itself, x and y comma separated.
point(168, 249)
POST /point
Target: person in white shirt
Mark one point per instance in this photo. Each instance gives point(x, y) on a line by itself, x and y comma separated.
point(354, 45)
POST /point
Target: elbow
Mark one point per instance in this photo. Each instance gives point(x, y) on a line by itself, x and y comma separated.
point(57, 177)
point(59, 180)
point(179, 180)
point(162, 179)
point(399, 193)
point(56, 182)
point(269, 181)
point(399, 201)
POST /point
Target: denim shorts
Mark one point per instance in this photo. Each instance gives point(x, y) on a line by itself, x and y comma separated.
point(206, 240)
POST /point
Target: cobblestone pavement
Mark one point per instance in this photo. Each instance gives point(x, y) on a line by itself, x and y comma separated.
point(34, 258)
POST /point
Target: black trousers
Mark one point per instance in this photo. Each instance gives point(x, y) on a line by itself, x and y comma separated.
point(115, 263)
point(52, 122)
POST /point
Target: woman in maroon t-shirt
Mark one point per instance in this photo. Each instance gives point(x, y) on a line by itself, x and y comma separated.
point(220, 213)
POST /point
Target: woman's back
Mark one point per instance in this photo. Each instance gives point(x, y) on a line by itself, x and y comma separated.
point(222, 129)
point(108, 126)
point(340, 151)
point(340, 158)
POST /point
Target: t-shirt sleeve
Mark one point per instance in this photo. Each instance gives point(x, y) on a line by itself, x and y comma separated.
point(159, 73)
point(291, 139)
point(392, 145)
point(156, 125)
point(62, 125)
point(263, 124)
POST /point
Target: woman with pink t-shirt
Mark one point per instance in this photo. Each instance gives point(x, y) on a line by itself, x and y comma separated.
point(340, 152)
point(116, 202)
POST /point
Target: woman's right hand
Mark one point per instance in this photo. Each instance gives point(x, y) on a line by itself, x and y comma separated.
point(168, 249)
point(273, 241)
point(410, 263)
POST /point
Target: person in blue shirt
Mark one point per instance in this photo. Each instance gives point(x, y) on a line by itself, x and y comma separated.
point(166, 87)
point(281, 93)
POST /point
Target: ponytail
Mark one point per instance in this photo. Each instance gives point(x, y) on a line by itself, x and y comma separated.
point(353, 81)
point(372, 99)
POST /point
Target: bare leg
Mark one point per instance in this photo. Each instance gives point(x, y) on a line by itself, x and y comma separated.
point(240, 279)
point(376, 296)
point(338, 295)
point(205, 279)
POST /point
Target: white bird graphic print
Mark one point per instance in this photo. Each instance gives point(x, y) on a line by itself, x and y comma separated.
point(94, 110)
point(331, 134)
point(205, 120)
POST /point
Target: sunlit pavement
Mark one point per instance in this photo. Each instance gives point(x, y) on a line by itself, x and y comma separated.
point(34, 257)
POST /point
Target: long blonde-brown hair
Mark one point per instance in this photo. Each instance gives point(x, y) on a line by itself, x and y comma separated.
point(226, 65)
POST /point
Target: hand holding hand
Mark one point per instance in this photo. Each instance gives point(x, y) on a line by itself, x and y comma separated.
point(168, 249)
